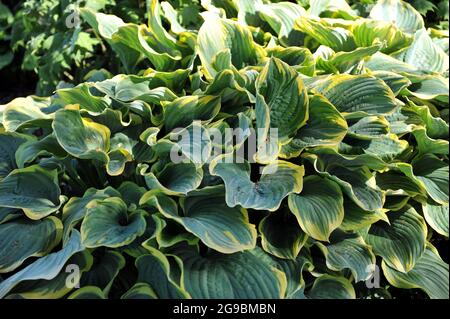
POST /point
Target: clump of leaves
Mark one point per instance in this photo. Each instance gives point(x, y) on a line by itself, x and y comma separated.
point(355, 184)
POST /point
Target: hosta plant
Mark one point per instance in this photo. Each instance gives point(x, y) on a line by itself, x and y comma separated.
point(258, 149)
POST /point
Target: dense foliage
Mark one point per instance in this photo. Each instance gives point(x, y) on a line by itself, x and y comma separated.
point(349, 199)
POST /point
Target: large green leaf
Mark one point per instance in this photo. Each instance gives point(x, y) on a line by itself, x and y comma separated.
point(47, 267)
point(9, 143)
point(22, 238)
point(26, 112)
point(282, 96)
point(433, 173)
point(367, 32)
point(33, 189)
point(349, 251)
point(281, 17)
point(30, 150)
point(330, 287)
point(75, 209)
point(57, 287)
point(429, 274)
point(319, 207)
point(400, 12)
point(351, 93)
point(325, 127)
point(81, 137)
point(174, 179)
point(155, 270)
point(82, 96)
point(352, 175)
point(108, 224)
point(356, 218)
point(182, 111)
point(425, 55)
point(293, 270)
point(218, 35)
point(337, 38)
point(244, 275)
point(401, 242)
point(278, 180)
point(205, 214)
point(437, 217)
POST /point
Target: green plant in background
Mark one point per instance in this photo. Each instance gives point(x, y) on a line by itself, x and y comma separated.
point(355, 182)
point(54, 45)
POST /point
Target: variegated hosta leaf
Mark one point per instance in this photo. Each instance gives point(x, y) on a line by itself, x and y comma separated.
point(81, 137)
point(26, 112)
point(9, 143)
point(430, 87)
point(21, 239)
point(150, 89)
point(278, 180)
point(400, 12)
point(245, 275)
point(383, 62)
point(156, 270)
point(401, 242)
point(330, 287)
point(425, 55)
point(337, 38)
point(367, 32)
point(433, 173)
point(345, 62)
point(293, 270)
point(349, 251)
point(325, 127)
point(299, 58)
point(396, 183)
point(281, 17)
point(356, 218)
point(29, 151)
point(33, 189)
point(82, 96)
point(131, 40)
point(319, 207)
point(436, 216)
point(206, 215)
point(248, 11)
point(107, 223)
point(427, 145)
point(181, 112)
point(430, 274)
point(219, 35)
point(352, 175)
point(174, 179)
point(386, 147)
point(57, 287)
point(75, 209)
point(282, 101)
point(367, 127)
point(47, 267)
point(352, 93)
point(191, 144)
